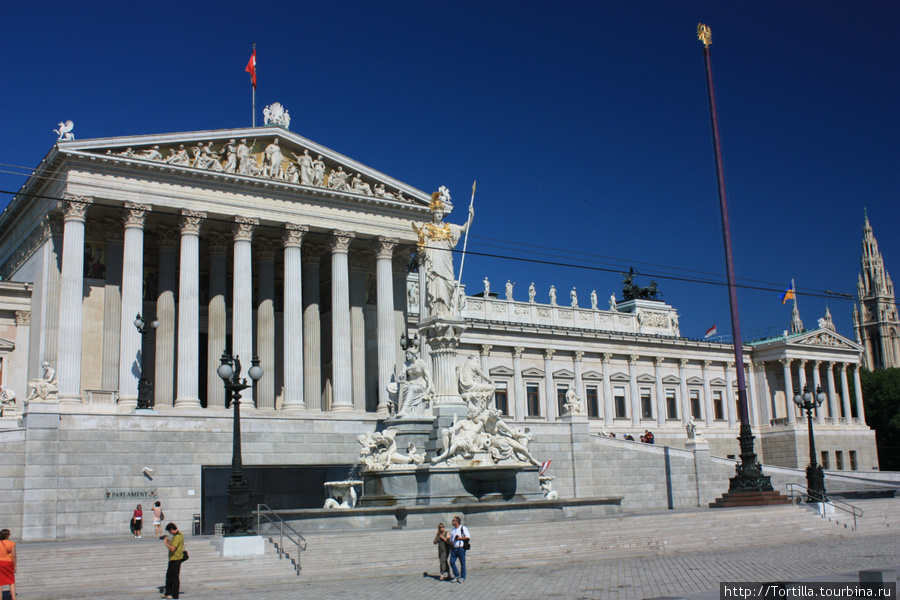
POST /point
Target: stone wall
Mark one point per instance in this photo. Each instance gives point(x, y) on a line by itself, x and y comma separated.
point(12, 478)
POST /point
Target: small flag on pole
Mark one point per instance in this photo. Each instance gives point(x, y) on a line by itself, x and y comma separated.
point(544, 466)
point(251, 67)
point(711, 331)
point(788, 294)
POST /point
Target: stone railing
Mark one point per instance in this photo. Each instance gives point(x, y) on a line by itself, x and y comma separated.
point(100, 397)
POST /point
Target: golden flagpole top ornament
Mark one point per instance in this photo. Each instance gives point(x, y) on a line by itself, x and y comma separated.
point(704, 34)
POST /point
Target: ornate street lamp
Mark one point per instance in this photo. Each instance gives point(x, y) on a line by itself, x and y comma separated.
point(145, 386)
point(815, 477)
point(239, 519)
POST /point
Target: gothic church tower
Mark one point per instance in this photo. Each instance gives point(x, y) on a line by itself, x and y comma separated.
point(875, 318)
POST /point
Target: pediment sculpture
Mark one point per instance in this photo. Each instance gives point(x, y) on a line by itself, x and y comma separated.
point(276, 114)
point(825, 338)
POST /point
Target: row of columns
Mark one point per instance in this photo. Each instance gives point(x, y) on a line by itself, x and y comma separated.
point(302, 361)
point(831, 406)
point(606, 408)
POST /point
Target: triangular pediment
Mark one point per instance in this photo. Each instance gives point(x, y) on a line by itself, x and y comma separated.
point(671, 379)
point(825, 337)
point(619, 376)
point(695, 381)
point(532, 372)
point(7, 345)
point(563, 374)
point(645, 378)
point(501, 371)
point(304, 165)
point(593, 375)
point(717, 381)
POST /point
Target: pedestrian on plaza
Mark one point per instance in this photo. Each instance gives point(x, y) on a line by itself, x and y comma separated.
point(442, 540)
point(137, 520)
point(177, 555)
point(459, 542)
point(7, 563)
point(158, 516)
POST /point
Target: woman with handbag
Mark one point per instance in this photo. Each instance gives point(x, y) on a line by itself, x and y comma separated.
point(442, 539)
point(158, 517)
point(7, 563)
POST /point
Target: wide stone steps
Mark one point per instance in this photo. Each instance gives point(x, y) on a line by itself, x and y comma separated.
point(879, 516)
point(47, 569)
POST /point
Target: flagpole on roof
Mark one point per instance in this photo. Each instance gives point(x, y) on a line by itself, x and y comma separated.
point(254, 84)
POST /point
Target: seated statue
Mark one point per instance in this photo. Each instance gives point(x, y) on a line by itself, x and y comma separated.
point(42, 388)
point(412, 388)
point(693, 433)
point(7, 402)
point(573, 403)
point(473, 391)
point(464, 438)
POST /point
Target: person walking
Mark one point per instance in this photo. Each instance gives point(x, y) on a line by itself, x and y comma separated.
point(7, 563)
point(442, 540)
point(138, 519)
point(459, 542)
point(158, 516)
point(176, 557)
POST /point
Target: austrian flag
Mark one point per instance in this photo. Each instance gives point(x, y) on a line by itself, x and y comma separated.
point(711, 331)
point(251, 67)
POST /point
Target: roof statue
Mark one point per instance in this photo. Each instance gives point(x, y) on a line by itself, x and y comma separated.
point(65, 130)
point(630, 291)
point(276, 114)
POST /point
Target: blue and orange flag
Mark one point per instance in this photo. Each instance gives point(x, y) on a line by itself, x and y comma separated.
point(788, 294)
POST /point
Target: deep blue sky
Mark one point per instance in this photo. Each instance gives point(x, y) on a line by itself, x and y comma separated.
point(586, 124)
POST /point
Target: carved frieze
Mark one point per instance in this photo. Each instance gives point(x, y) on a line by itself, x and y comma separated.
point(825, 339)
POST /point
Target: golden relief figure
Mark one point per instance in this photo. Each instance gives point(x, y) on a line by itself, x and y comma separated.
point(704, 34)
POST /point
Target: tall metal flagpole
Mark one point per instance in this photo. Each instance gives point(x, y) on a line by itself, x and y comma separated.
point(254, 84)
point(749, 477)
point(462, 262)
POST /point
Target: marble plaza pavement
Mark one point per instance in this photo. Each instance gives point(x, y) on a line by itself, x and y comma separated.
point(538, 564)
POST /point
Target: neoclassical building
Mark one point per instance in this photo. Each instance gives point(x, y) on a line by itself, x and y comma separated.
point(875, 317)
point(259, 242)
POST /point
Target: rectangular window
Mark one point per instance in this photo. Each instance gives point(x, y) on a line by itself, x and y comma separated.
point(671, 405)
point(695, 404)
point(646, 403)
point(501, 401)
point(533, 397)
point(593, 401)
point(561, 399)
point(718, 406)
point(619, 401)
point(853, 464)
point(839, 460)
point(825, 459)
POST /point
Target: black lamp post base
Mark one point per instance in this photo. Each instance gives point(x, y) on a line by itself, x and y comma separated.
point(749, 486)
point(145, 393)
point(815, 483)
point(239, 520)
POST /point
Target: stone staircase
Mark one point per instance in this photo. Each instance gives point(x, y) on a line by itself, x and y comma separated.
point(52, 570)
point(879, 515)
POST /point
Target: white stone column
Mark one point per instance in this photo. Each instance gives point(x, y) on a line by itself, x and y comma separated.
point(578, 364)
point(483, 357)
point(217, 322)
point(189, 311)
point(609, 411)
point(18, 377)
point(242, 305)
point(845, 395)
point(833, 411)
point(817, 383)
point(660, 394)
point(53, 230)
point(684, 402)
point(788, 390)
point(400, 265)
point(340, 321)
point(633, 389)
point(132, 302)
point(707, 393)
point(733, 418)
point(518, 384)
point(70, 305)
point(358, 329)
point(112, 304)
point(387, 336)
point(549, 387)
point(312, 329)
point(857, 389)
point(752, 397)
point(801, 376)
point(265, 321)
point(167, 239)
point(293, 318)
